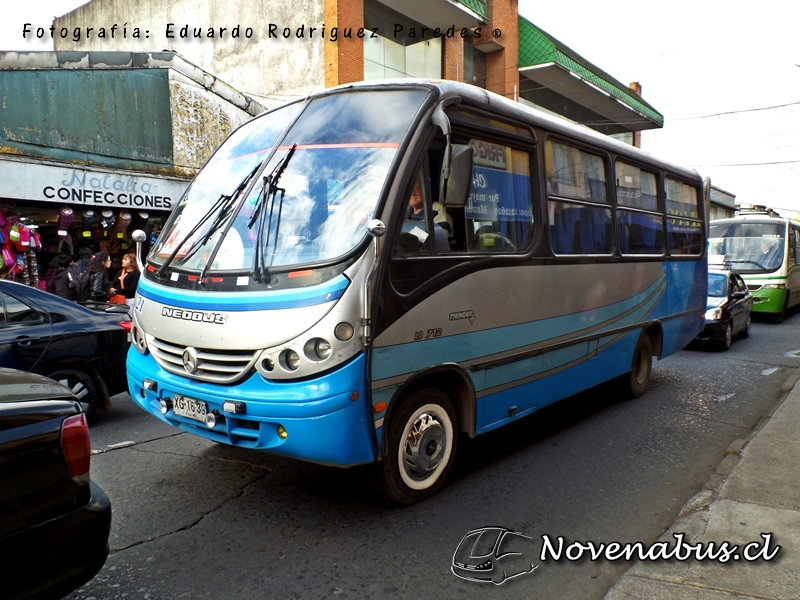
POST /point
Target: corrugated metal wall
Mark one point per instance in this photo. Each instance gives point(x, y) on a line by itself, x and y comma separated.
point(111, 117)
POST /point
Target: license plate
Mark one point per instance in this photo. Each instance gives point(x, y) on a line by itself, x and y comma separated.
point(189, 407)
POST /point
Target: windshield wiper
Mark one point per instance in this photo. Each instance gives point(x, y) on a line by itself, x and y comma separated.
point(269, 191)
point(221, 210)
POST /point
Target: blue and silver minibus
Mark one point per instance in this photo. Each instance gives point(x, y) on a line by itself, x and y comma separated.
point(763, 247)
point(363, 275)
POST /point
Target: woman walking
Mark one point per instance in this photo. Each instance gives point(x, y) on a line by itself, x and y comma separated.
point(99, 281)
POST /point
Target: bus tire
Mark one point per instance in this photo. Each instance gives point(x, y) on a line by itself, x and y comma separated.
point(638, 379)
point(421, 442)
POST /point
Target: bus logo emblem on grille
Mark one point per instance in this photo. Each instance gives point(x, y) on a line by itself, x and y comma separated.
point(190, 360)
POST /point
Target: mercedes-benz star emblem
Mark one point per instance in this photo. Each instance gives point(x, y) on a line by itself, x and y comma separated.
point(190, 360)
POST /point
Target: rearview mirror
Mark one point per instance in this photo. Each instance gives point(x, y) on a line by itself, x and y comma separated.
point(456, 186)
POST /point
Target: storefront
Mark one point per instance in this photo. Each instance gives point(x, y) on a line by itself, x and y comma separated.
point(96, 145)
point(51, 207)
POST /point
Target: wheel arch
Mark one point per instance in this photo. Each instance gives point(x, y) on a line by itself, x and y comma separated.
point(656, 334)
point(449, 378)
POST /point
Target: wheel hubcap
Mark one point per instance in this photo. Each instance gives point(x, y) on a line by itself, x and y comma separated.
point(424, 446)
point(76, 387)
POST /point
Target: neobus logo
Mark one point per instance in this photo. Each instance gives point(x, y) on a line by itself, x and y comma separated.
point(197, 316)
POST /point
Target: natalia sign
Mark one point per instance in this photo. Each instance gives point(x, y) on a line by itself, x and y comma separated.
point(99, 189)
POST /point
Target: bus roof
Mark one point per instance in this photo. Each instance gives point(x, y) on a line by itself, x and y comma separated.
point(478, 96)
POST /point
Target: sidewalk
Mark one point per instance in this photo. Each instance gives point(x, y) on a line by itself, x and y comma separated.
point(755, 490)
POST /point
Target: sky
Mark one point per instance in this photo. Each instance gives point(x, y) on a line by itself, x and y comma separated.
point(725, 76)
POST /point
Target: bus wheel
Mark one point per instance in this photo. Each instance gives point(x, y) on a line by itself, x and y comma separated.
point(422, 438)
point(639, 376)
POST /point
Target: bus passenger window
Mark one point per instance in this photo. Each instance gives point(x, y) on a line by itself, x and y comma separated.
point(640, 226)
point(577, 205)
point(684, 226)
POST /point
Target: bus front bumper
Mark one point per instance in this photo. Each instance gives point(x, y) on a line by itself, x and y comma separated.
point(321, 420)
point(769, 300)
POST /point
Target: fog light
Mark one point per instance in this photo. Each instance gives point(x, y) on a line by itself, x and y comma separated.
point(282, 432)
point(164, 406)
point(149, 384)
point(211, 420)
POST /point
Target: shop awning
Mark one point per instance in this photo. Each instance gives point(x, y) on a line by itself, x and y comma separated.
point(549, 69)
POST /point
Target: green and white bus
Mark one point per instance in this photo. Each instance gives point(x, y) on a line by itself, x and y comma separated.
point(762, 247)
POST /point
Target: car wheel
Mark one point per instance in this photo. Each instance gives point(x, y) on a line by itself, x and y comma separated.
point(82, 385)
point(421, 441)
point(745, 333)
point(727, 340)
point(638, 379)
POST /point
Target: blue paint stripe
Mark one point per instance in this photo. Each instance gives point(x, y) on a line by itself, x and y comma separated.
point(391, 361)
point(244, 301)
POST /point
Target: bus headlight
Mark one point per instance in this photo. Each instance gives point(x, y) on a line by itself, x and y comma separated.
point(715, 314)
point(138, 339)
point(323, 349)
point(290, 360)
point(317, 349)
point(774, 286)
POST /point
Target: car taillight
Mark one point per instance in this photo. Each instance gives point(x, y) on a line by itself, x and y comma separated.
point(76, 447)
point(126, 325)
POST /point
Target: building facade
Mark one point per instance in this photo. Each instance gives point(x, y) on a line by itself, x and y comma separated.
point(93, 145)
point(278, 51)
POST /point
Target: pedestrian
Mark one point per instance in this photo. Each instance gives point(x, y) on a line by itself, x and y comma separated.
point(59, 283)
point(126, 281)
point(85, 256)
point(99, 281)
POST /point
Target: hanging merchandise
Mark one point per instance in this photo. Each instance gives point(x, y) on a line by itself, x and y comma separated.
point(120, 228)
point(88, 218)
point(65, 218)
point(32, 267)
point(13, 235)
point(139, 220)
point(107, 219)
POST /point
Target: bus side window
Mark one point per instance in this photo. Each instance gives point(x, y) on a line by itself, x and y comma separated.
point(498, 216)
point(578, 209)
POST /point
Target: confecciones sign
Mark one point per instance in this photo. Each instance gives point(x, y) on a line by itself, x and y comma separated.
point(32, 181)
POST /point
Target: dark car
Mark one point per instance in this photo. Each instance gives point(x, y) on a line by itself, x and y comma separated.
point(54, 521)
point(729, 308)
point(82, 348)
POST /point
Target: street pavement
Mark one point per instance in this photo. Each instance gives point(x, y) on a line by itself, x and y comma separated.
point(753, 497)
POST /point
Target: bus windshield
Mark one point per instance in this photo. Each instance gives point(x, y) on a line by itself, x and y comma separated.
point(749, 247)
point(268, 200)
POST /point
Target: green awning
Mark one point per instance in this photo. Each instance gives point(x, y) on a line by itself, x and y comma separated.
point(547, 61)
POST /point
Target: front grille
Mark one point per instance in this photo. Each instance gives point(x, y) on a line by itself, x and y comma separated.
point(215, 366)
point(753, 286)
